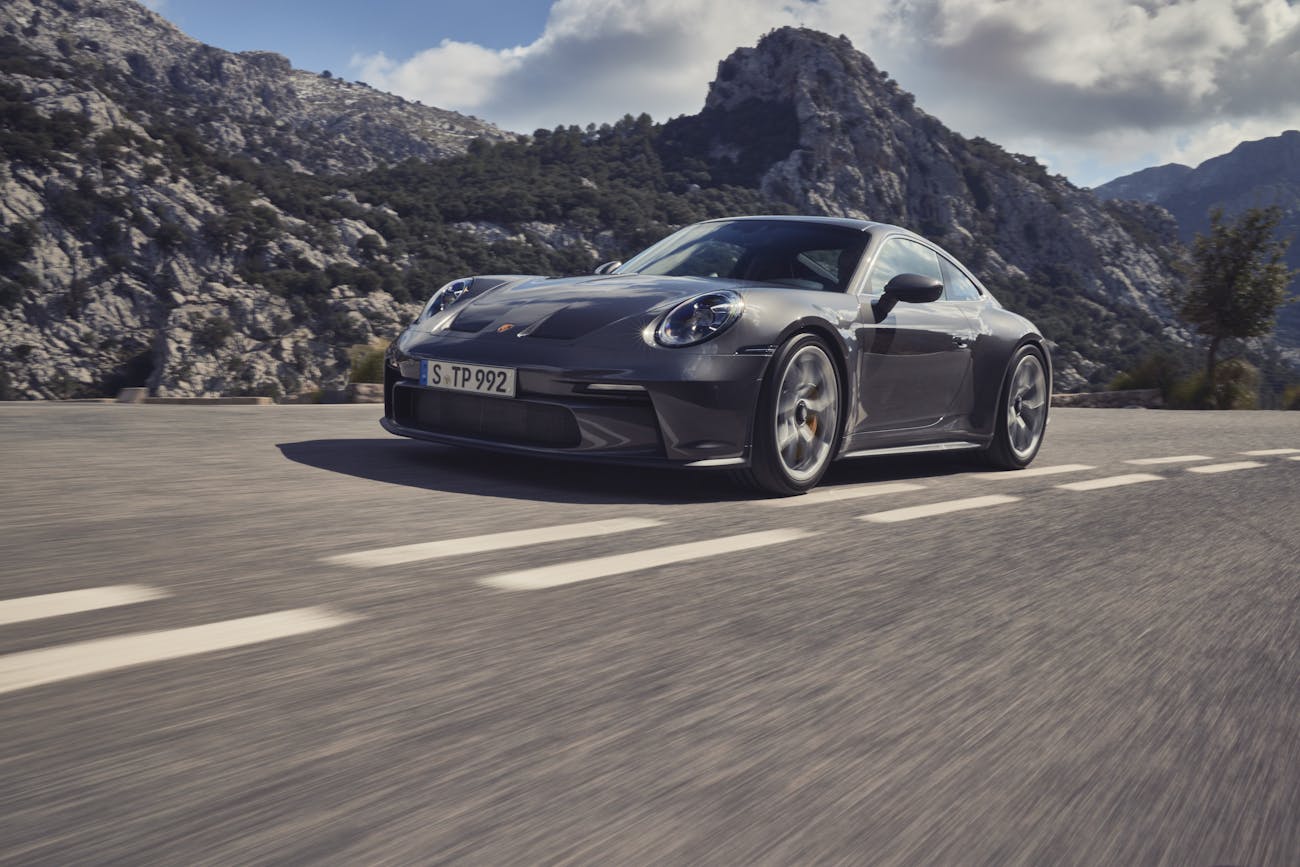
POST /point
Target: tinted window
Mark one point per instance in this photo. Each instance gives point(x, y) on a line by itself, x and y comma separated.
point(801, 255)
point(956, 285)
point(901, 256)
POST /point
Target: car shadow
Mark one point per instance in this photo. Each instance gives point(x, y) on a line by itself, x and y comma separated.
point(465, 471)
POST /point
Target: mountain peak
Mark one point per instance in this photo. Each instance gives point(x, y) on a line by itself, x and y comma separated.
point(146, 66)
point(795, 65)
point(1147, 185)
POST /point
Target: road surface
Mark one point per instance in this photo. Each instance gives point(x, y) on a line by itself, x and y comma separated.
point(253, 635)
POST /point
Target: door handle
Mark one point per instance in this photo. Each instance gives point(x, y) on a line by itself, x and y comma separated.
point(961, 341)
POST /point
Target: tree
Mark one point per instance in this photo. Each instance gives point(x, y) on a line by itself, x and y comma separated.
point(1238, 280)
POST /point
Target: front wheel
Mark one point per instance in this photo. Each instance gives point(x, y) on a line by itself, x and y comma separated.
point(796, 424)
point(1022, 412)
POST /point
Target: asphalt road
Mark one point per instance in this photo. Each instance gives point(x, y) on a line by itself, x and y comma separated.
point(1078, 675)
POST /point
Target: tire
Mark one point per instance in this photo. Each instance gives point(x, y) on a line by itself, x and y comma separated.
point(1022, 412)
point(797, 421)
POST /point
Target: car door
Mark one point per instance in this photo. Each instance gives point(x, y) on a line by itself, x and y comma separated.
point(913, 362)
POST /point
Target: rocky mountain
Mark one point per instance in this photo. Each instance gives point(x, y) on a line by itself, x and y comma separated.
point(1253, 174)
point(202, 222)
point(115, 56)
point(1147, 185)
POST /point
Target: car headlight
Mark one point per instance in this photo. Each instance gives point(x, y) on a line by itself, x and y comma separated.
point(698, 319)
point(445, 297)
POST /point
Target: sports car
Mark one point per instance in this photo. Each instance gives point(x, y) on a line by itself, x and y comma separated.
point(770, 346)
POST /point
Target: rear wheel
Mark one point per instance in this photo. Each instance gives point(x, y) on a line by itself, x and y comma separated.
point(1022, 412)
point(796, 425)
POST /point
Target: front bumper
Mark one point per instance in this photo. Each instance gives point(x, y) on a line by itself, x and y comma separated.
point(691, 409)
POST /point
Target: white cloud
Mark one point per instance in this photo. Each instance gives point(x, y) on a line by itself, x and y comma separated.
point(597, 60)
point(452, 75)
point(1095, 88)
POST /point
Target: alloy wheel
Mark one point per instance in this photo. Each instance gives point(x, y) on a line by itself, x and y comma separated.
point(807, 413)
point(1026, 406)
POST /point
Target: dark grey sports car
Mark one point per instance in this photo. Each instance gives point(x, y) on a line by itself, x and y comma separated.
point(769, 345)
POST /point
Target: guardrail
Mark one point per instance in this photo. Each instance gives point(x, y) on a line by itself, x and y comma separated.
point(1146, 398)
point(141, 395)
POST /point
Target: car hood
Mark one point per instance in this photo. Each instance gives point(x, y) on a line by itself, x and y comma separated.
point(571, 307)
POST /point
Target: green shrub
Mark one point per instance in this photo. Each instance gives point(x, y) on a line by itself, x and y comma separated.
point(1291, 398)
point(11, 293)
point(213, 332)
point(367, 362)
point(1159, 370)
point(169, 235)
point(1236, 386)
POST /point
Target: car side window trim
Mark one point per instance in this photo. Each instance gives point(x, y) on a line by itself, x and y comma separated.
point(861, 285)
point(907, 246)
point(947, 264)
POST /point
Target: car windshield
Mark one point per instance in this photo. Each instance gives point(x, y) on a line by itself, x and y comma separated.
point(801, 255)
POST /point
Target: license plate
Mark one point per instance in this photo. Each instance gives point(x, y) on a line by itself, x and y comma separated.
point(475, 378)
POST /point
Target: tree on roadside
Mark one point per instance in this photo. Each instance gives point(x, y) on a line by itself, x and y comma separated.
point(1238, 281)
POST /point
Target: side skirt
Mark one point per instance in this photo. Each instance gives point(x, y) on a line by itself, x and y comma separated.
point(912, 450)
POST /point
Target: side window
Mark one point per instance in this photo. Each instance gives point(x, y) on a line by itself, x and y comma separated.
point(956, 285)
point(901, 256)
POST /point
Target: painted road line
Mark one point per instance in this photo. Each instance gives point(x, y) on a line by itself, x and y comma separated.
point(1295, 458)
point(1172, 459)
point(1037, 471)
point(74, 602)
point(848, 492)
point(1225, 468)
point(1260, 453)
point(618, 564)
point(1110, 482)
point(48, 665)
point(913, 512)
point(489, 542)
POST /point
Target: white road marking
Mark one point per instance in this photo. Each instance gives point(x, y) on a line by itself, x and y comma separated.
point(1295, 458)
point(618, 564)
point(1172, 459)
point(914, 512)
point(1111, 482)
point(1037, 471)
point(48, 665)
point(1259, 453)
point(1225, 468)
point(849, 492)
point(74, 602)
point(489, 542)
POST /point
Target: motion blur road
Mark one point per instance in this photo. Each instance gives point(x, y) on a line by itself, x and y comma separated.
point(218, 647)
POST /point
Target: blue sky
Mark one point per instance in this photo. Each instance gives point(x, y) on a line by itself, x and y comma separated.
point(326, 34)
point(1094, 90)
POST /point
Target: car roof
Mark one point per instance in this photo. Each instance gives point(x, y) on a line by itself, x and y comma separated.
point(847, 222)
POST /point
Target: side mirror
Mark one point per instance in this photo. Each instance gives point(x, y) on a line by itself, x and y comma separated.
point(608, 267)
point(914, 289)
point(910, 288)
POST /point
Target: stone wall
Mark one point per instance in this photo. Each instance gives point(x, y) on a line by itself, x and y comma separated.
point(1146, 398)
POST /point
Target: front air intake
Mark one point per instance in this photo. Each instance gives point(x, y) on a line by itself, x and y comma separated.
point(518, 422)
